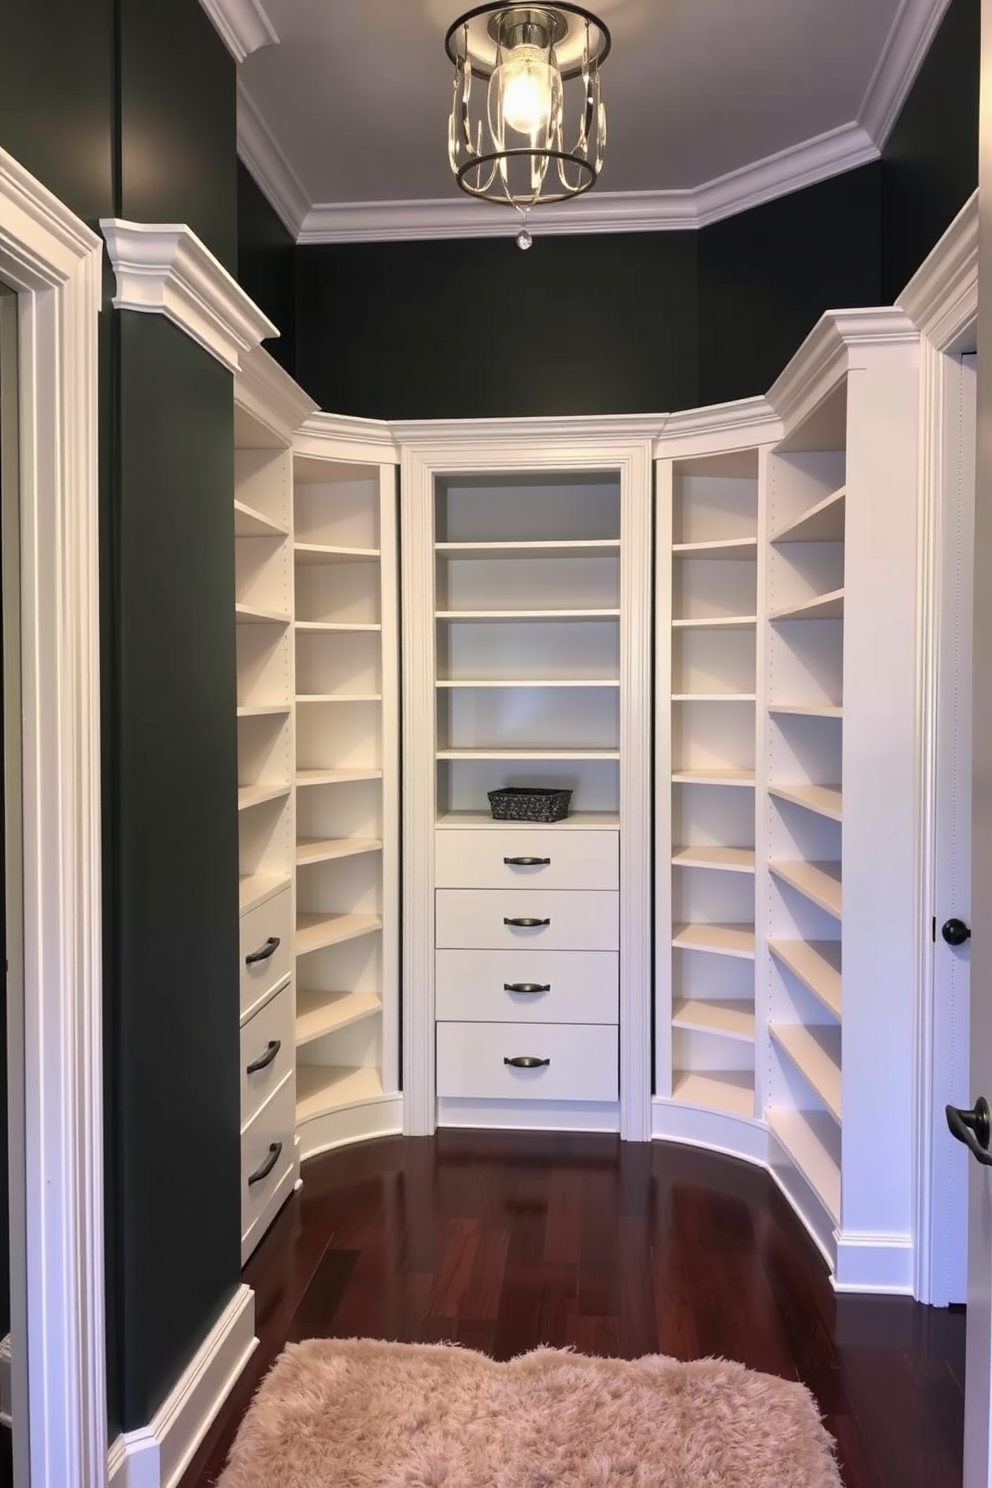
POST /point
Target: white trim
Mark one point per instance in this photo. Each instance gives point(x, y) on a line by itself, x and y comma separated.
point(378, 1118)
point(531, 1116)
point(908, 42)
point(788, 170)
point(265, 162)
point(163, 268)
point(271, 395)
point(53, 260)
point(718, 428)
point(942, 297)
point(331, 436)
point(813, 372)
point(876, 1264)
point(612, 430)
point(243, 25)
point(157, 1455)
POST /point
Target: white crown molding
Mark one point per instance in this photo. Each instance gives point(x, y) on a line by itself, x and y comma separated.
point(270, 394)
point(329, 435)
point(941, 299)
point(549, 433)
point(269, 167)
point(164, 269)
point(719, 428)
point(822, 356)
point(907, 44)
point(242, 24)
point(801, 165)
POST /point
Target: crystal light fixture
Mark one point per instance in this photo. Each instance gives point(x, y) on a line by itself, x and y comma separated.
point(524, 75)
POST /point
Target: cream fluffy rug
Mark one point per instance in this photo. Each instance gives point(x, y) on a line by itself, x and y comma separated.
point(361, 1414)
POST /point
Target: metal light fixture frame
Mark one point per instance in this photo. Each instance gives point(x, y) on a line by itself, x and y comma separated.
point(576, 43)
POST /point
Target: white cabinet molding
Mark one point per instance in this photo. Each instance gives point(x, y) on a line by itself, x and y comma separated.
point(814, 370)
point(941, 299)
point(542, 434)
point(337, 437)
point(242, 24)
point(719, 428)
point(53, 261)
point(164, 269)
point(270, 395)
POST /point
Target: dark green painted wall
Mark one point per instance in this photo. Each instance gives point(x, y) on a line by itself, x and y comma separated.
point(930, 161)
point(267, 267)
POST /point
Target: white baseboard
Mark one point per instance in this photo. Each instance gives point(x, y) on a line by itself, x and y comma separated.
point(382, 1117)
point(156, 1455)
point(874, 1263)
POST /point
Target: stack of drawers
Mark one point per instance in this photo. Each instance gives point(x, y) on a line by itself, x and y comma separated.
point(527, 963)
point(269, 1163)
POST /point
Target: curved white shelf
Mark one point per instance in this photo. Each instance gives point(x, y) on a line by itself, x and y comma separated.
point(321, 1089)
point(713, 697)
point(825, 800)
point(257, 888)
point(718, 622)
point(815, 1051)
point(818, 882)
point(821, 607)
point(339, 697)
point(824, 522)
point(315, 932)
point(320, 1013)
point(255, 795)
point(335, 627)
point(729, 859)
point(732, 547)
point(722, 940)
point(807, 710)
point(336, 777)
point(731, 1091)
point(809, 1139)
point(266, 710)
point(523, 753)
point(579, 548)
point(246, 614)
point(734, 1020)
point(327, 553)
point(599, 614)
point(250, 522)
point(817, 964)
point(556, 682)
point(713, 777)
point(310, 850)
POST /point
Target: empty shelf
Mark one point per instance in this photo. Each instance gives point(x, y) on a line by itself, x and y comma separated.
point(704, 776)
point(326, 849)
point(718, 622)
point(731, 1091)
point(248, 522)
point(254, 795)
point(320, 1013)
point(824, 522)
point(525, 753)
point(730, 859)
point(817, 964)
point(731, 1019)
point(246, 614)
point(515, 682)
point(723, 940)
point(820, 607)
point(321, 1089)
point(819, 882)
point(264, 710)
point(809, 1139)
point(732, 547)
point(825, 800)
point(255, 888)
point(337, 777)
point(325, 553)
point(339, 697)
point(314, 932)
point(808, 710)
point(580, 548)
point(332, 627)
point(815, 1051)
point(713, 697)
point(528, 615)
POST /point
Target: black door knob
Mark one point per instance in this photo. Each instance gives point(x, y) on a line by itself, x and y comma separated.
point(955, 932)
point(973, 1128)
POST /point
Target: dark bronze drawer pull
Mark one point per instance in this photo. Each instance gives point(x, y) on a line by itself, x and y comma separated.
point(524, 922)
point(263, 1172)
point(527, 862)
point(526, 1061)
point(264, 1060)
point(264, 951)
point(529, 987)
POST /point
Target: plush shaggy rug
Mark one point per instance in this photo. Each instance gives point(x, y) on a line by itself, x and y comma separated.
point(361, 1414)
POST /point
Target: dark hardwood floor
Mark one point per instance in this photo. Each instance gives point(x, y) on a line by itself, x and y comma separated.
point(504, 1241)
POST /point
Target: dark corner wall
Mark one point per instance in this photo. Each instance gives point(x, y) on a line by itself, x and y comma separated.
point(136, 119)
point(629, 322)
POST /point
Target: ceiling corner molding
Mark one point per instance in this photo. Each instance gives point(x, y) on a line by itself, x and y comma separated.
point(164, 269)
point(907, 44)
point(270, 394)
point(243, 25)
point(268, 166)
point(720, 427)
point(805, 164)
point(941, 299)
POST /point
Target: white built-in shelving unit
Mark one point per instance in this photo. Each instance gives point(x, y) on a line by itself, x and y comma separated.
point(525, 656)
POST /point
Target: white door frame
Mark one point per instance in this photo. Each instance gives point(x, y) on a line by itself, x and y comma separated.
point(53, 260)
point(942, 301)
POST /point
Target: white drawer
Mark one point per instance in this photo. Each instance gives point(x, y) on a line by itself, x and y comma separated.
point(473, 986)
point(268, 1043)
point(261, 926)
point(484, 858)
point(268, 1157)
point(577, 919)
point(582, 1061)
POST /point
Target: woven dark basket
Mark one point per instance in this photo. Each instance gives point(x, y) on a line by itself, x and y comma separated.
point(529, 803)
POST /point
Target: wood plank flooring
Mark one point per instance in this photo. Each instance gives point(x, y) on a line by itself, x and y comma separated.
point(504, 1241)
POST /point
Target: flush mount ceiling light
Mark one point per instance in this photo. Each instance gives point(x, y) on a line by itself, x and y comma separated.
point(526, 87)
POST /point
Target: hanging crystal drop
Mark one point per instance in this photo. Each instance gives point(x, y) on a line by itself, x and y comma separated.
point(524, 238)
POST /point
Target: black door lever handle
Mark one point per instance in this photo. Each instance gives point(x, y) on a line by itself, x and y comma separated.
point(973, 1128)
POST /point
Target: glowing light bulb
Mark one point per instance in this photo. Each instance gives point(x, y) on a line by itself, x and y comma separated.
point(526, 88)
